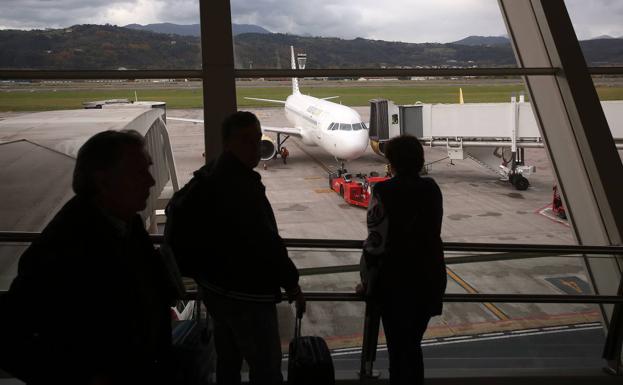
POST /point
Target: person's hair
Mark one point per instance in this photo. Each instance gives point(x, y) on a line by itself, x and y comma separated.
point(235, 122)
point(103, 151)
point(405, 154)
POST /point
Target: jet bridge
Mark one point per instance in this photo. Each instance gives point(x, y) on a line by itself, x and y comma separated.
point(37, 157)
point(493, 134)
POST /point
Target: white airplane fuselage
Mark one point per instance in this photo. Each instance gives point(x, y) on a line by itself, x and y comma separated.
point(315, 118)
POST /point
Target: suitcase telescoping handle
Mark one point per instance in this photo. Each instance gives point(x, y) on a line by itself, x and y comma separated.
point(297, 326)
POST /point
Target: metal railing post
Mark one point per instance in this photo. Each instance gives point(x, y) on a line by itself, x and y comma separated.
point(371, 325)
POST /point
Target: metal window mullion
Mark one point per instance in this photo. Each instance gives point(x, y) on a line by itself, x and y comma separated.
point(99, 74)
point(277, 73)
point(219, 83)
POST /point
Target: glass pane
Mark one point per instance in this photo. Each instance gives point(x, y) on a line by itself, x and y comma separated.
point(610, 91)
point(497, 210)
point(377, 35)
point(522, 335)
point(43, 124)
point(89, 35)
point(598, 27)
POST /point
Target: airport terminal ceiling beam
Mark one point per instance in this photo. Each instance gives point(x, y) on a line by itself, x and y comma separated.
point(219, 82)
point(574, 128)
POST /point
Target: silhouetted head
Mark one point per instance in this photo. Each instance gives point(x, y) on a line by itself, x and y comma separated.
point(242, 136)
point(405, 155)
point(112, 169)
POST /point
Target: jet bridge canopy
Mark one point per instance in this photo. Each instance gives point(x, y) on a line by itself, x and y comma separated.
point(37, 157)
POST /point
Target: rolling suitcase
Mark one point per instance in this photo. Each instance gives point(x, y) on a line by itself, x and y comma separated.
point(309, 360)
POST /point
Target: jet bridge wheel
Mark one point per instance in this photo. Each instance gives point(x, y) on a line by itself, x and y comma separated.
point(521, 183)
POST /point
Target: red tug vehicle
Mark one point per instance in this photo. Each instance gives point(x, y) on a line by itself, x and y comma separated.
point(356, 190)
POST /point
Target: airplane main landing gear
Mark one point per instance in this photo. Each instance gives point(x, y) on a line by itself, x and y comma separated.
point(280, 146)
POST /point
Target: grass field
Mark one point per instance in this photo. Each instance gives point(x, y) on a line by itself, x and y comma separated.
point(25, 99)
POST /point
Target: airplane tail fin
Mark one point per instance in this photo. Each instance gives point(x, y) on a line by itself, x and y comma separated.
point(295, 81)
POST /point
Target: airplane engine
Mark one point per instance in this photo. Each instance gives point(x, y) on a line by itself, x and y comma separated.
point(378, 147)
point(268, 149)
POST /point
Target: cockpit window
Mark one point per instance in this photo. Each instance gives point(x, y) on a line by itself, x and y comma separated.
point(363, 125)
point(345, 127)
point(356, 126)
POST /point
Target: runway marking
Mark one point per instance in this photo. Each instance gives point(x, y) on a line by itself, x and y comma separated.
point(555, 327)
point(492, 334)
point(323, 190)
point(312, 177)
point(481, 337)
point(470, 289)
point(457, 338)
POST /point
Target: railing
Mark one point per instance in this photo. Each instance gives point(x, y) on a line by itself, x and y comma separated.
point(490, 252)
point(486, 253)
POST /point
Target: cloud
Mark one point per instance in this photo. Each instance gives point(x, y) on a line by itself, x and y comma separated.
point(596, 18)
point(413, 21)
point(397, 20)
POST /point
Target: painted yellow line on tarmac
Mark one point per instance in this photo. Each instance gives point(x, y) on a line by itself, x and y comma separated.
point(470, 289)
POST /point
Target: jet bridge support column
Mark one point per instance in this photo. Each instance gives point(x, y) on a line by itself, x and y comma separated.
point(577, 138)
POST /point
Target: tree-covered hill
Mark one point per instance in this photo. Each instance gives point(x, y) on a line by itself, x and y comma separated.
point(113, 47)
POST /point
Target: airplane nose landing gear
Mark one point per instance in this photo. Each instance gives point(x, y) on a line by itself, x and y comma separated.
point(341, 169)
point(520, 182)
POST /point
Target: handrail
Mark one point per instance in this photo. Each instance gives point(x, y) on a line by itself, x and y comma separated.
point(345, 296)
point(334, 296)
point(552, 250)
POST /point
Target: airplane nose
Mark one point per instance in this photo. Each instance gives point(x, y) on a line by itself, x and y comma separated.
point(356, 147)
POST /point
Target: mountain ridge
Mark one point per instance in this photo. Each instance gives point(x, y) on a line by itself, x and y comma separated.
point(193, 29)
point(90, 46)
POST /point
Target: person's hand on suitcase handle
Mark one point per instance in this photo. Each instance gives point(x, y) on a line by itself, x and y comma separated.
point(297, 296)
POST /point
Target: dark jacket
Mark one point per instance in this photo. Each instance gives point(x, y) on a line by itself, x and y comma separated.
point(233, 234)
point(404, 227)
point(91, 297)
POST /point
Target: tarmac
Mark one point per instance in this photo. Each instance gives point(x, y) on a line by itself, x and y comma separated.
point(478, 207)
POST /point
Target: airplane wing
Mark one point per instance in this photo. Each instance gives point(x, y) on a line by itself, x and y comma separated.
point(267, 100)
point(186, 120)
point(278, 130)
point(283, 130)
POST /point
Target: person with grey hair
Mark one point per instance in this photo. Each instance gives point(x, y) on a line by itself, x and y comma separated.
point(90, 303)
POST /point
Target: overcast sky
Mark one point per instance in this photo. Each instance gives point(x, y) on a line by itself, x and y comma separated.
point(397, 20)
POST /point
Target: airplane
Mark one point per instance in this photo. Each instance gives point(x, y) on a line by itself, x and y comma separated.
point(337, 129)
